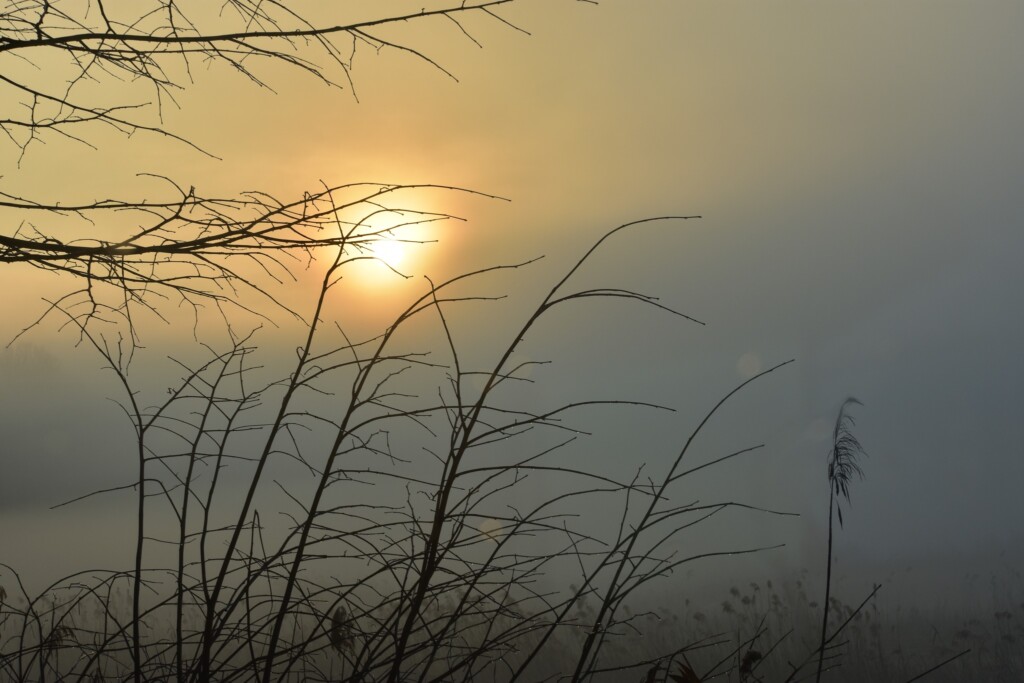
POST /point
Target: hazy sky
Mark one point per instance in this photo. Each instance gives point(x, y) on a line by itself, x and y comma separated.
point(858, 167)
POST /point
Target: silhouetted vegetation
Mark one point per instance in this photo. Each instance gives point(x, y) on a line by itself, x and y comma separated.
point(414, 546)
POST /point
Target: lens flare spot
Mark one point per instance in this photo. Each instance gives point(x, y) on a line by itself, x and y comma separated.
point(748, 365)
point(492, 529)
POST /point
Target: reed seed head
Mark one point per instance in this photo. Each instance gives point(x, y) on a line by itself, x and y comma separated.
point(846, 451)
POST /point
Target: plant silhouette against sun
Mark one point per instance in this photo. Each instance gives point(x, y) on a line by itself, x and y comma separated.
point(424, 593)
point(70, 71)
point(438, 564)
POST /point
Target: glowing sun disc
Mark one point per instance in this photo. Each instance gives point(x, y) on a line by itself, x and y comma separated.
point(391, 252)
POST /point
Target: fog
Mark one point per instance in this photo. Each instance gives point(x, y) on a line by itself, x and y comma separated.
point(857, 172)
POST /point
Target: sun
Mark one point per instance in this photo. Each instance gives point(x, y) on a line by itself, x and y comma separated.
point(386, 249)
point(393, 252)
point(398, 242)
point(390, 255)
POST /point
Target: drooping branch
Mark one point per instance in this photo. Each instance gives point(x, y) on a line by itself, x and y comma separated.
point(201, 249)
point(159, 44)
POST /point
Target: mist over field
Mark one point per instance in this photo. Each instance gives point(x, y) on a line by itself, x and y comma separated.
point(840, 186)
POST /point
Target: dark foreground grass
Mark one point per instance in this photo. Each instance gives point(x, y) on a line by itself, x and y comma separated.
point(761, 632)
point(779, 624)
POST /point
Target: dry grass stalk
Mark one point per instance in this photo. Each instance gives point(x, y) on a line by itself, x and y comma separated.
point(341, 633)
